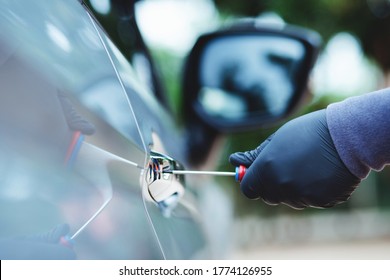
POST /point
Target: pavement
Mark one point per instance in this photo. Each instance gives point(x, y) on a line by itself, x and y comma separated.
point(359, 234)
point(376, 249)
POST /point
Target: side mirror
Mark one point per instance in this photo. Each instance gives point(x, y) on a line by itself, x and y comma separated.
point(248, 75)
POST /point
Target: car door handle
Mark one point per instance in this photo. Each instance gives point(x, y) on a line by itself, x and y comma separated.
point(164, 189)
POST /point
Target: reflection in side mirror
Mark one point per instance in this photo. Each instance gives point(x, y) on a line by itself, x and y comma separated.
point(260, 80)
point(248, 76)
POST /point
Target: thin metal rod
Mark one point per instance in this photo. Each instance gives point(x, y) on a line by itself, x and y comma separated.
point(216, 173)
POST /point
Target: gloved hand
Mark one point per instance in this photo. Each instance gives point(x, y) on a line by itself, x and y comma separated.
point(298, 166)
point(73, 118)
point(44, 246)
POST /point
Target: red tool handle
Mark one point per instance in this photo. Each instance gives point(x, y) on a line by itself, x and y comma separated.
point(240, 172)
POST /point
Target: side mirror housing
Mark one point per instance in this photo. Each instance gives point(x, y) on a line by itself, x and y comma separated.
point(248, 75)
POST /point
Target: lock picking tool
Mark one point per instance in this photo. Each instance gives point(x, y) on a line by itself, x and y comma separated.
point(238, 174)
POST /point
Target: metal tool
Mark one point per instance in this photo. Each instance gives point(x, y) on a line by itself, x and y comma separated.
point(239, 173)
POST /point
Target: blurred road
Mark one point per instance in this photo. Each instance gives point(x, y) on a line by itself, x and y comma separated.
point(358, 234)
point(354, 250)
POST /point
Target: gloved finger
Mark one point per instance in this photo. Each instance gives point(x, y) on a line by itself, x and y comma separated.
point(253, 188)
point(53, 236)
point(250, 184)
point(75, 121)
point(57, 232)
point(248, 157)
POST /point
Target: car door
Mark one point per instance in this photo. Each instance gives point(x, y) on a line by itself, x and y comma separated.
point(78, 145)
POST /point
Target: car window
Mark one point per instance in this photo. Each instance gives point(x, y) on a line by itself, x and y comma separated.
point(118, 20)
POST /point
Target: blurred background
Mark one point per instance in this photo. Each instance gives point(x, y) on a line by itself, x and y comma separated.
point(354, 60)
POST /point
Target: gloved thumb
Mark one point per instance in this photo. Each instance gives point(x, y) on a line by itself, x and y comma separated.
point(250, 184)
point(73, 118)
point(53, 236)
point(248, 157)
point(57, 232)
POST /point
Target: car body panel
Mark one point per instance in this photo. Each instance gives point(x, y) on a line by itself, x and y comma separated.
point(61, 44)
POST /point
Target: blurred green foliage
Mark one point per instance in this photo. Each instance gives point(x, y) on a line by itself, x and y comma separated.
point(368, 20)
point(170, 69)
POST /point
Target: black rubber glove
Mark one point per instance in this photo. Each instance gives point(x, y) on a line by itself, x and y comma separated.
point(44, 246)
point(73, 118)
point(297, 166)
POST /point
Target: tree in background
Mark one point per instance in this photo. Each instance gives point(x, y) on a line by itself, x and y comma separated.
point(367, 20)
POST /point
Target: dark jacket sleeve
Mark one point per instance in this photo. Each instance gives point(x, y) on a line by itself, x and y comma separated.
point(360, 129)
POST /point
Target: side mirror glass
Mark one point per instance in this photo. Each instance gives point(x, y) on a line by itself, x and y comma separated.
point(248, 76)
